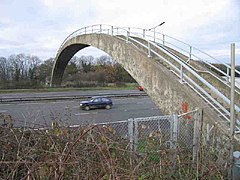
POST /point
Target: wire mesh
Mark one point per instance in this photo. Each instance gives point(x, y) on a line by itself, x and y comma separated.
point(118, 130)
point(186, 132)
point(142, 148)
point(152, 132)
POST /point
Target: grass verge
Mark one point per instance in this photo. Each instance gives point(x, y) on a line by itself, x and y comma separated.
point(111, 86)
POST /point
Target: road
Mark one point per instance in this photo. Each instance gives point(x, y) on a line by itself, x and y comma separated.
point(68, 112)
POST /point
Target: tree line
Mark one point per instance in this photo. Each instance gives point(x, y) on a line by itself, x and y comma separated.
point(28, 71)
point(87, 71)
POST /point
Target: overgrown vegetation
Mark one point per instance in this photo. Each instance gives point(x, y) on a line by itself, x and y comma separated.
point(96, 152)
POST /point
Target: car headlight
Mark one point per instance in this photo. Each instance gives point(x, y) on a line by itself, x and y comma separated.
point(80, 104)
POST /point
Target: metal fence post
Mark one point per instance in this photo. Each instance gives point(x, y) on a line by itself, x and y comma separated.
point(174, 134)
point(174, 139)
point(130, 132)
point(163, 39)
point(190, 53)
point(196, 134)
point(232, 112)
point(149, 50)
point(111, 30)
point(135, 140)
point(144, 31)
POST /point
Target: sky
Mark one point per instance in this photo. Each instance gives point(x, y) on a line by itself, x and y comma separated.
point(38, 27)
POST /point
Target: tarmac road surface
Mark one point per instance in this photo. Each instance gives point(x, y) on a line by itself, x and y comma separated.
point(67, 112)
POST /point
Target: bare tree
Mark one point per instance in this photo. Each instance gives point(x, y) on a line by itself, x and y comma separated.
point(4, 69)
point(104, 60)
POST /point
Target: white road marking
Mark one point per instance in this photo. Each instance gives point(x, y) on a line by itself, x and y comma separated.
point(3, 111)
point(58, 102)
point(79, 114)
point(34, 103)
point(5, 104)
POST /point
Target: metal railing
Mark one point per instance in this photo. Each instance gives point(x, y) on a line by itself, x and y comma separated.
point(67, 97)
point(153, 41)
point(172, 131)
point(190, 51)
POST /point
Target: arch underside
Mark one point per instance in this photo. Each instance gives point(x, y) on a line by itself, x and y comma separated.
point(62, 61)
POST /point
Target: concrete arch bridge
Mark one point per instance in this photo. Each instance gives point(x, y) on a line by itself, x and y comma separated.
point(171, 71)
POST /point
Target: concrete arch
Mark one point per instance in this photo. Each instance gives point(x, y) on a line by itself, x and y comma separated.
point(159, 83)
point(62, 60)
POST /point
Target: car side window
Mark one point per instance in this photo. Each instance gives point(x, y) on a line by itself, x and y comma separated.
point(96, 100)
point(105, 100)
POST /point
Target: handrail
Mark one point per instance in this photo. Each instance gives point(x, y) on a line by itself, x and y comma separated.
point(202, 80)
point(187, 67)
point(163, 41)
point(166, 36)
point(114, 30)
point(211, 57)
point(215, 76)
point(201, 89)
point(191, 54)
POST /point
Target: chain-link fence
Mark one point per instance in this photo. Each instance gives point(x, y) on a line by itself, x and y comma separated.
point(179, 132)
point(161, 147)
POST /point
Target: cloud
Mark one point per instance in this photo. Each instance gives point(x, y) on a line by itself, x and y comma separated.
point(179, 16)
point(35, 26)
point(9, 43)
point(57, 3)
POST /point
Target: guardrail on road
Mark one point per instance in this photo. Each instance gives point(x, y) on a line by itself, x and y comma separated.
point(49, 98)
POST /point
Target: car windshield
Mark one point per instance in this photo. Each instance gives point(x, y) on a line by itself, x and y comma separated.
point(92, 99)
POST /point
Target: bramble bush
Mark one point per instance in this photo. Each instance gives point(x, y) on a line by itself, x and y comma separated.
point(93, 152)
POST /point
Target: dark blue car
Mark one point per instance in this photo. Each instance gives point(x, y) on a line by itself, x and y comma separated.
point(96, 102)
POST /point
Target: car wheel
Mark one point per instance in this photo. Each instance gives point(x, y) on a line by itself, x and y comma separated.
point(87, 108)
point(108, 107)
